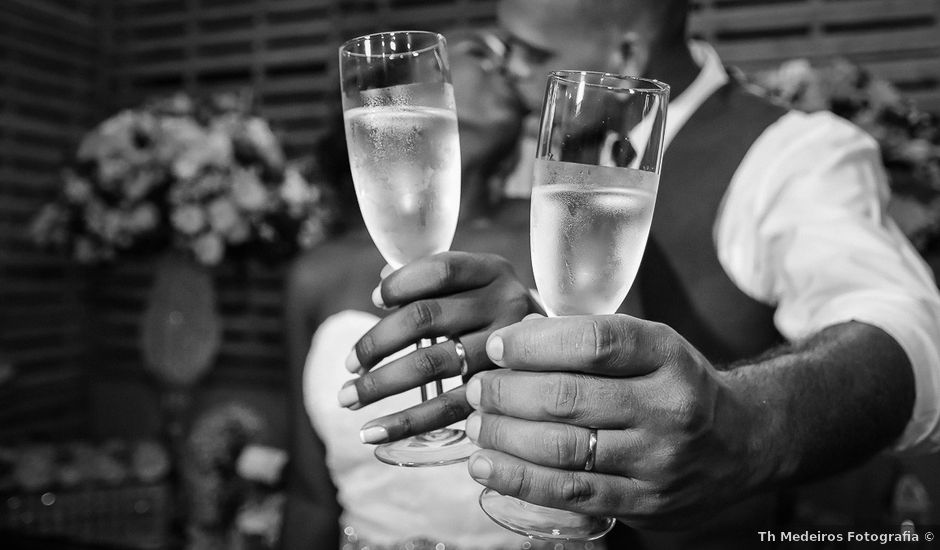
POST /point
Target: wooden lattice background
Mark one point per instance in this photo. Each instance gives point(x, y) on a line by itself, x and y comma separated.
point(65, 63)
point(50, 92)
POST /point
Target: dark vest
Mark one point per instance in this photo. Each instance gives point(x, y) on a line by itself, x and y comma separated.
point(682, 284)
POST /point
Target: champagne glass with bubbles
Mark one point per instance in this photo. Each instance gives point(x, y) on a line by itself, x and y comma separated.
point(401, 132)
point(596, 176)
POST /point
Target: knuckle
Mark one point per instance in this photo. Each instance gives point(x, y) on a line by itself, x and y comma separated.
point(429, 364)
point(567, 396)
point(365, 348)
point(574, 488)
point(690, 416)
point(367, 388)
point(519, 480)
point(445, 271)
point(668, 344)
point(601, 341)
point(493, 432)
point(405, 424)
point(494, 390)
point(451, 409)
point(423, 314)
point(606, 341)
point(554, 448)
point(563, 446)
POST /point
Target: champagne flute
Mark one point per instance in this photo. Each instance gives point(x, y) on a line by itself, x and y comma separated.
point(401, 132)
point(596, 176)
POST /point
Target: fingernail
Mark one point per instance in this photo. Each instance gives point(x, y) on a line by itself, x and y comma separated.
point(374, 434)
point(473, 427)
point(348, 395)
point(386, 271)
point(474, 389)
point(531, 316)
point(352, 362)
point(494, 347)
point(480, 468)
point(377, 297)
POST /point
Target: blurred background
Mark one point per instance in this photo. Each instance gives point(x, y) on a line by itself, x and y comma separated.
point(112, 364)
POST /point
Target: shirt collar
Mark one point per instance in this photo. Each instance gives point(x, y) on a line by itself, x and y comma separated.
point(711, 77)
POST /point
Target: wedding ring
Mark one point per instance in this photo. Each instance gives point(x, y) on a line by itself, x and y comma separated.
point(462, 355)
point(592, 451)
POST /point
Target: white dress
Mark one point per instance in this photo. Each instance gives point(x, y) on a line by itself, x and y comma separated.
point(389, 507)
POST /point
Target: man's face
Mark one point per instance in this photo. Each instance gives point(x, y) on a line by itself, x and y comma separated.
point(551, 35)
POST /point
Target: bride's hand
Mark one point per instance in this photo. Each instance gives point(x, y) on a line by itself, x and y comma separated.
point(458, 295)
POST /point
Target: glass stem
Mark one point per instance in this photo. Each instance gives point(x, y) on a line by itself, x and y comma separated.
point(438, 384)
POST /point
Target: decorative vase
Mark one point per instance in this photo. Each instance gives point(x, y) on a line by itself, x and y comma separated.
point(181, 329)
point(180, 336)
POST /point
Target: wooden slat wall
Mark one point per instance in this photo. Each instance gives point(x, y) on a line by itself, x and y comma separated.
point(896, 39)
point(49, 89)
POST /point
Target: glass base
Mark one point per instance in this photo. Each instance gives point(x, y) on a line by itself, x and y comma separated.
point(435, 448)
point(541, 522)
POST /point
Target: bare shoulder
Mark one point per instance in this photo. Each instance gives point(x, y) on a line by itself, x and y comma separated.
point(336, 274)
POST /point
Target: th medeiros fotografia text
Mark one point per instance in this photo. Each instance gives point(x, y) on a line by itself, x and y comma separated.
point(904, 535)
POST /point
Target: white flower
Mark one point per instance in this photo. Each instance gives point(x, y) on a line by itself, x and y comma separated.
point(188, 219)
point(209, 248)
point(916, 150)
point(248, 191)
point(295, 191)
point(882, 93)
point(94, 216)
point(262, 518)
point(186, 166)
point(113, 170)
point(311, 233)
point(260, 463)
point(262, 139)
point(118, 125)
point(112, 135)
point(223, 215)
point(77, 189)
point(143, 218)
point(174, 136)
point(137, 186)
point(212, 149)
point(112, 226)
point(47, 227)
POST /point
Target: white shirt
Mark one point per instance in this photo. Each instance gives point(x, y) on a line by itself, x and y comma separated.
point(803, 227)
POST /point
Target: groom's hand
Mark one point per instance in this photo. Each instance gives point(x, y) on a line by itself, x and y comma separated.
point(674, 440)
point(461, 296)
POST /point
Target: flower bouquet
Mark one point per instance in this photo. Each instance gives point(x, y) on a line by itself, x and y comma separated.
point(205, 176)
point(908, 137)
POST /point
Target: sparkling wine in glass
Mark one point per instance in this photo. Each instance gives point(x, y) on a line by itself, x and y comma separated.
point(596, 176)
point(401, 132)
